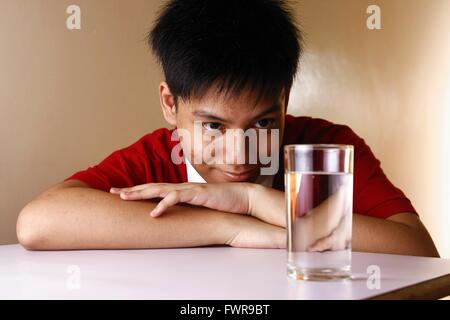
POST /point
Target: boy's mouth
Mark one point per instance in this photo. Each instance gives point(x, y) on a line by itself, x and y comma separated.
point(238, 176)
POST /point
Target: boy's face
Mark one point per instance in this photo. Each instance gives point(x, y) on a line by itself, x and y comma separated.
point(228, 139)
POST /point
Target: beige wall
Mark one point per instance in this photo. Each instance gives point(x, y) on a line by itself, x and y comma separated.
point(69, 98)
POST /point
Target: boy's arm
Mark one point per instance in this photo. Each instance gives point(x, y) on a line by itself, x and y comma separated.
point(73, 216)
point(402, 233)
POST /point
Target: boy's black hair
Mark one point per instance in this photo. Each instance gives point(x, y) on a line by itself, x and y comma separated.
point(228, 44)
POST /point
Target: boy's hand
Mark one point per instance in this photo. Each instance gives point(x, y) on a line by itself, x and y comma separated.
point(327, 226)
point(239, 198)
point(248, 232)
point(339, 239)
point(228, 197)
point(320, 229)
point(243, 231)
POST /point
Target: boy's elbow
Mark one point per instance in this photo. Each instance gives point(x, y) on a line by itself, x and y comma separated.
point(429, 250)
point(422, 245)
point(425, 244)
point(30, 228)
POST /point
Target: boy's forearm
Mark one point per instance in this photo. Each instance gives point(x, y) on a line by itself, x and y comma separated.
point(84, 218)
point(369, 234)
point(386, 236)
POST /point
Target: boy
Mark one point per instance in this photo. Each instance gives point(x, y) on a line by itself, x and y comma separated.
point(228, 65)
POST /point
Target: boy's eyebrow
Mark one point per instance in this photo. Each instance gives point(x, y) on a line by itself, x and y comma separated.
point(208, 115)
point(272, 108)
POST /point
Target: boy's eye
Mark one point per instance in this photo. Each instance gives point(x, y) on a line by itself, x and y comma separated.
point(263, 124)
point(212, 126)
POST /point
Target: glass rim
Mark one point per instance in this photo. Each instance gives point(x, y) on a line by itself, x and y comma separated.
point(318, 146)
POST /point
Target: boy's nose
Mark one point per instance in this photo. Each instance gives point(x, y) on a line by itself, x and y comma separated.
point(240, 150)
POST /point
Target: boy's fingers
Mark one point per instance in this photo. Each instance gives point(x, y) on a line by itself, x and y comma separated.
point(140, 187)
point(156, 212)
point(155, 190)
point(172, 198)
point(174, 186)
point(337, 240)
point(321, 245)
point(148, 193)
point(131, 189)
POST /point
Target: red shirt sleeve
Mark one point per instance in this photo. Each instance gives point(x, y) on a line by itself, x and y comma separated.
point(147, 160)
point(120, 169)
point(375, 195)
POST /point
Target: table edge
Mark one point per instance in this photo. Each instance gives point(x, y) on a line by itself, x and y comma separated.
point(431, 289)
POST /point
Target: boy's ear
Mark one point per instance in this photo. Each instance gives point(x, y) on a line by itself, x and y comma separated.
point(168, 104)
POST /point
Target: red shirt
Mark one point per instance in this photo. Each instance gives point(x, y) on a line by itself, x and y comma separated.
point(148, 160)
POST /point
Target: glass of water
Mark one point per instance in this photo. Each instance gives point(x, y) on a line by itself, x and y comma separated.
point(319, 204)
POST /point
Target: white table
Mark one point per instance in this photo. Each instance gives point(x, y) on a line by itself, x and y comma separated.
point(204, 273)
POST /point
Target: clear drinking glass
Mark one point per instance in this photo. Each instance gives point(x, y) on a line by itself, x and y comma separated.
point(319, 203)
